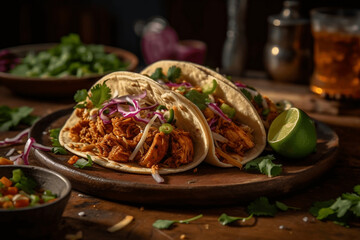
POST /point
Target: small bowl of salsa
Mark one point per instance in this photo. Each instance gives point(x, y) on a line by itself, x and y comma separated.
point(32, 200)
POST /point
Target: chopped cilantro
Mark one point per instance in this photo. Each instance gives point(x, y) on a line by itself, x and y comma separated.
point(246, 93)
point(199, 99)
point(173, 73)
point(258, 99)
point(158, 74)
point(81, 162)
point(265, 165)
point(54, 137)
point(284, 207)
point(99, 94)
point(12, 117)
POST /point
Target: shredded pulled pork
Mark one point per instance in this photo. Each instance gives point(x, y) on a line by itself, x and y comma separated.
point(267, 118)
point(239, 138)
point(118, 139)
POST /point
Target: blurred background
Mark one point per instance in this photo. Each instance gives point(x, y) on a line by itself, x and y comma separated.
point(112, 22)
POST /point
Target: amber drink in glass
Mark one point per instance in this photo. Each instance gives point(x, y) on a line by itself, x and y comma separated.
point(336, 35)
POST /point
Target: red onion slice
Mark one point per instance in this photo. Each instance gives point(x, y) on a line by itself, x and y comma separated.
point(218, 111)
point(15, 139)
point(29, 143)
point(41, 147)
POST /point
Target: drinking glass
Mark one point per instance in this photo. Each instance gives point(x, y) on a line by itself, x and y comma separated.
point(336, 35)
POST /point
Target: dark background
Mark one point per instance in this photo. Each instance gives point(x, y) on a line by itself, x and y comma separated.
point(112, 22)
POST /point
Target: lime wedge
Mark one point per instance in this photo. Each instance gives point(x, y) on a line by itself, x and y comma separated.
point(292, 134)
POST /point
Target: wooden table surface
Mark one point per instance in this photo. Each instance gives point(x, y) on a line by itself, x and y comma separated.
point(101, 214)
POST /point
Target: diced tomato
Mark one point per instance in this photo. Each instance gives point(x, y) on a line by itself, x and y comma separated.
point(51, 200)
point(7, 204)
point(5, 161)
point(7, 182)
point(12, 190)
point(73, 159)
point(23, 202)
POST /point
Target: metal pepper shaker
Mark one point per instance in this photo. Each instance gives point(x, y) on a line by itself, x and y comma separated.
point(288, 54)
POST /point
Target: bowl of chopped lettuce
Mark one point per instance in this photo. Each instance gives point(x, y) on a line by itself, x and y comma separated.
point(32, 200)
point(60, 69)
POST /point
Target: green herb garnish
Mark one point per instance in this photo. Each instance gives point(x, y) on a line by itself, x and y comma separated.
point(12, 117)
point(99, 94)
point(225, 219)
point(69, 58)
point(341, 210)
point(165, 224)
point(54, 137)
point(265, 165)
point(173, 73)
point(199, 99)
point(284, 207)
point(158, 74)
point(262, 207)
point(81, 162)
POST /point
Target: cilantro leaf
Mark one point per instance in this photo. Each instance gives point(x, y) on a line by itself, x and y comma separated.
point(165, 224)
point(158, 74)
point(99, 94)
point(80, 95)
point(173, 73)
point(314, 210)
point(258, 99)
point(284, 207)
point(199, 99)
point(262, 207)
point(341, 206)
point(246, 93)
point(225, 219)
point(81, 162)
point(357, 189)
point(356, 209)
point(54, 138)
point(12, 117)
point(324, 213)
point(265, 165)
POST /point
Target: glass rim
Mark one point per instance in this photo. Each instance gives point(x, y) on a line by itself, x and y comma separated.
point(335, 12)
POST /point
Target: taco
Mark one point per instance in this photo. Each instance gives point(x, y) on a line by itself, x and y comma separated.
point(130, 123)
point(237, 133)
point(266, 108)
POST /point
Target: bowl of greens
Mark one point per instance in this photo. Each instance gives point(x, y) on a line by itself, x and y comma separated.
point(60, 69)
point(32, 201)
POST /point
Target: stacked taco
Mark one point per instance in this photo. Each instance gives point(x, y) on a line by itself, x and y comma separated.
point(130, 123)
point(236, 132)
point(266, 108)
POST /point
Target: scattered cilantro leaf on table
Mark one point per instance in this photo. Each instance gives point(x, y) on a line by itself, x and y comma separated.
point(225, 219)
point(265, 166)
point(340, 211)
point(165, 224)
point(12, 117)
point(284, 207)
point(262, 207)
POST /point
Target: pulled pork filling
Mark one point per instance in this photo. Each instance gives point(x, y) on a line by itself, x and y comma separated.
point(117, 140)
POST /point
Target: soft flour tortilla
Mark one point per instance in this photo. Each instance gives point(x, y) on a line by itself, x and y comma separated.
point(245, 112)
point(124, 83)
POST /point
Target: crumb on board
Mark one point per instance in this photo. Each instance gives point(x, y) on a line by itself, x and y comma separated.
point(123, 223)
point(195, 170)
point(182, 236)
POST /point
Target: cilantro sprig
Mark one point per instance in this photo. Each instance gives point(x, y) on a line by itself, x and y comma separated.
point(341, 211)
point(12, 117)
point(165, 224)
point(263, 207)
point(54, 137)
point(265, 166)
point(98, 95)
point(172, 75)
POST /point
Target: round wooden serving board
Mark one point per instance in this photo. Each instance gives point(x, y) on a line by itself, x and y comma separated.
point(206, 185)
